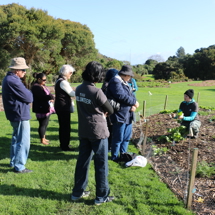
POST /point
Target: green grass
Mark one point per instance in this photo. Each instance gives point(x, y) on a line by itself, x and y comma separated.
point(47, 189)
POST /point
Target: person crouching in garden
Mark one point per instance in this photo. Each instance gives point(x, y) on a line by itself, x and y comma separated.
point(120, 91)
point(42, 104)
point(93, 107)
point(188, 110)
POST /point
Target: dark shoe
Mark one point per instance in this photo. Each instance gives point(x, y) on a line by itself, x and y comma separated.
point(23, 171)
point(109, 199)
point(84, 195)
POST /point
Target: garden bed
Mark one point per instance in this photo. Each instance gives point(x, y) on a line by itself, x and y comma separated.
point(173, 164)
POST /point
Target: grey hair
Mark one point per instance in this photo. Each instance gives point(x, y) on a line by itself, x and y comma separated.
point(65, 69)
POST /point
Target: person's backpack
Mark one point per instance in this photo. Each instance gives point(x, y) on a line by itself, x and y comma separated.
point(128, 156)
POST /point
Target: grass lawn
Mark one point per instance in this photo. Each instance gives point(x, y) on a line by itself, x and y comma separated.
point(47, 189)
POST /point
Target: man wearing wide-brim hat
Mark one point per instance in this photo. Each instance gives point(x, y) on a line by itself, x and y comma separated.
point(16, 100)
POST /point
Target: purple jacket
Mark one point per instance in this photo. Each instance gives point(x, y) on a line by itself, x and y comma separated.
point(16, 98)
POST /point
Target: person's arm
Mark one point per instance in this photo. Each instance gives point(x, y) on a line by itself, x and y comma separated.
point(21, 92)
point(107, 108)
point(64, 85)
point(191, 117)
point(38, 92)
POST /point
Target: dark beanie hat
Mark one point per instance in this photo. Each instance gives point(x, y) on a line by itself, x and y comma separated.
point(190, 93)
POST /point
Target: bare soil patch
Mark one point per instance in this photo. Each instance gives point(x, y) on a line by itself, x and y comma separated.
point(207, 83)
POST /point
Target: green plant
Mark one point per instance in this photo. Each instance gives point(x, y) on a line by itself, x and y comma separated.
point(205, 169)
point(175, 134)
point(159, 151)
point(168, 111)
point(207, 107)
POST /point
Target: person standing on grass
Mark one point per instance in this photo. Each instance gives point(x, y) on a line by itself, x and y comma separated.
point(133, 84)
point(188, 110)
point(16, 101)
point(93, 107)
point(120, 91)
point(42, 104)
point(110, 74)
point(63, 102)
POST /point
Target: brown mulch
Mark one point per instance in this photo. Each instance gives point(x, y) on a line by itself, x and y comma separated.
point(206, 83)
point(173, 167)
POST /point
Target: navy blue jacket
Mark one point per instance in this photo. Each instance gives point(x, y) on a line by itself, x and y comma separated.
point(121, 92)
point(16, 98)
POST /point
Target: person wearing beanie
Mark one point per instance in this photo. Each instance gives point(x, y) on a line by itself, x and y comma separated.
point(189, 116)
point(109, 75)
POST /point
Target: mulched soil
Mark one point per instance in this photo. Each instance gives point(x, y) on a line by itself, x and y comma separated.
point(173, 167)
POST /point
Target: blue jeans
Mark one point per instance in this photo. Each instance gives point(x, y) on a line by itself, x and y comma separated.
point(20, 144)
point(87, 149)
point(121, 134)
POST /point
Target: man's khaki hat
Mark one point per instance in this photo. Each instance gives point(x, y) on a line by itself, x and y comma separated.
point(18, 63)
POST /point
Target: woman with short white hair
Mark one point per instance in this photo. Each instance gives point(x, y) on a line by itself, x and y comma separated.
point(63, 102)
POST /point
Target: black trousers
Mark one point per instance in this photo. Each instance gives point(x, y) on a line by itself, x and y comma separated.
point(64, 128)
point(43, 123)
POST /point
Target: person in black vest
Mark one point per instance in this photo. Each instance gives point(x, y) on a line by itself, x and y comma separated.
point(63, 101)
point(42, 104)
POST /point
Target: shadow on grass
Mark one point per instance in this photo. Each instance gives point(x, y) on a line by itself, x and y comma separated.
point(38, 152)
point(53, 129)
point(13, 190)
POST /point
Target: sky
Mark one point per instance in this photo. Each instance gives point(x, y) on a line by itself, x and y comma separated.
point(134, 30)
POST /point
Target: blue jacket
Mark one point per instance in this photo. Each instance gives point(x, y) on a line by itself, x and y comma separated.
point(121, 92)
point(16, 98)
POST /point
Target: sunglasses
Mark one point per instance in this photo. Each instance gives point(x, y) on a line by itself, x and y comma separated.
point(43, 79)
point(23, 70)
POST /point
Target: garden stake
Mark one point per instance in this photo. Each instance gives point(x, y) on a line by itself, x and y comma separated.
point(144, 109)
point(165, 103)
point(198, 97)
point(192, 177)
point(145, 138)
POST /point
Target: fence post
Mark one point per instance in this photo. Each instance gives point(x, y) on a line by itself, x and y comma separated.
point(144, 109)
point(165, 103)
point(192, 178)
point(145, 138)
point(198, 97)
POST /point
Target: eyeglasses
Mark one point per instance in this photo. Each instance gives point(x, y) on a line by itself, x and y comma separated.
point(43, 79)
point(23, 70)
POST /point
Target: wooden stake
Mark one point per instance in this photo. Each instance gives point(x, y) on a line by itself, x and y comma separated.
point(144, 109)
point(198, 97)
point(192, 178)
point(165, 103)
point(145, 138)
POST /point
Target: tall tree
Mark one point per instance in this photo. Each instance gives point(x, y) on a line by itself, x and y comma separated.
point(180, 52)
point(78, 47)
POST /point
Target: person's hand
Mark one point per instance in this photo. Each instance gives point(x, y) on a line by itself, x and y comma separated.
point(172, 115)
point(133, 108)
point(137, 104)
point(51, 101)
point(181, 116)
point(106, 114)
